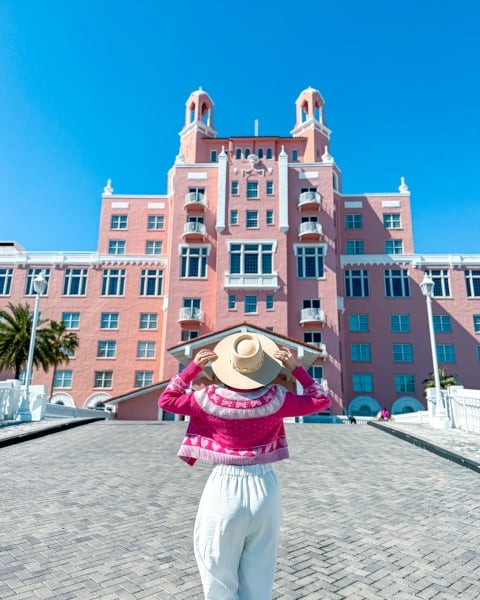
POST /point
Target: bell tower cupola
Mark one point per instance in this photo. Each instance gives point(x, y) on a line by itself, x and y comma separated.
point(310, 124)
point(198, 125)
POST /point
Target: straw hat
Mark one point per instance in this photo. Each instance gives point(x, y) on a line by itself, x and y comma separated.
point(245, 361)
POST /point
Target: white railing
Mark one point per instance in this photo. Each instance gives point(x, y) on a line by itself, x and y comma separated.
point(308, 315)
point(194, 227)
point(251, 281)
point(189, 313)
point(10, 398)
point(308, 227)
point(463, 407)
point(309, 198)
point(195, 198)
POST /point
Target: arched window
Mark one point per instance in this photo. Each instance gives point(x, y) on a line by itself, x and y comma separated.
point(238, 153)
point(247, 152)
point(269, 153)
point(260, 153)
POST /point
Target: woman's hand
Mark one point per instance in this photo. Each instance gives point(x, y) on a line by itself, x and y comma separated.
point(204, 356)
point(285, 356)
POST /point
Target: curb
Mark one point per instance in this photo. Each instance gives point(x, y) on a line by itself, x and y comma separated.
point(31, 435)
point(438, 450)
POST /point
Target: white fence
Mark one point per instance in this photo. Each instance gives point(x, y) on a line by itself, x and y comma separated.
point(462, 407)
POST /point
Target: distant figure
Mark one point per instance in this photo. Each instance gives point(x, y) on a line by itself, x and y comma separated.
point(384, 415)
point(352, 420)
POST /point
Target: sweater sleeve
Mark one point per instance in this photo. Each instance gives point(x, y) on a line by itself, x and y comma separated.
point(174, 398)
point(313, 400)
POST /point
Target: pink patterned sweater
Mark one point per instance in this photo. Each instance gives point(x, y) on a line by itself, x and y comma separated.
point(238, 427)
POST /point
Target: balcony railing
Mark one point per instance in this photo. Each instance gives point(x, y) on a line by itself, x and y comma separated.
point(189, 313)
point(309, 228)
point(194, 229)
point(195, 199)
point(309, 199)
point(312, 315)
point(251, 281)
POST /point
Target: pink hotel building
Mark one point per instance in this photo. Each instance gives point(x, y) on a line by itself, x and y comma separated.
point(254, 232)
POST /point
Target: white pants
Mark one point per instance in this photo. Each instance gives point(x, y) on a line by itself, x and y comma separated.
point(237, 531)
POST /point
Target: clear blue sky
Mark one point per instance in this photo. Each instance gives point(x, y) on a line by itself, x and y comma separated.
point(96, 89)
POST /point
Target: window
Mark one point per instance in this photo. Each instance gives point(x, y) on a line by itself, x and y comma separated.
point(5, 281)
point(116, 247)
point(476, 323)
point(143, 378)
point(316, 372)
point(354, 247)
point(310, 261)
point(402, 352)
point(113, 282)
point(145, 349)
point(234, 217)
point(151, 282)
point(354, 221)
point(312, 337)
point(356, 283)
point(75, 282)
point(400, 323)
point(472, 281)
point(71, 320)
point(360, 352)
point(118, 222)
point(238, 153)
point(446, 353)
point(441, 282)
point(194, 262)
point(269, 301)
point(251, 258)
point(103, 379)
point(63, 379)
point(213, 156)
point(397, 284)
point(109, 320)
point(106, 349)
point(247, 152)
point(294, 155)
point(252, 219)
point(189, 334)
point(252, 189)
point(404, 383)
point(260, 153)
point(232, 302)
point(478, 353)
point(234, 188)
point(269, 217)
point(362, 382)
point(269, 189)
point(32, 273)
point(250, 304)
point(269, 154)
point(392, 221)
point(155, 222)
point(358, 322)
point(154, 247)
point(394, 247)
point(148, 320)
point(442, 324)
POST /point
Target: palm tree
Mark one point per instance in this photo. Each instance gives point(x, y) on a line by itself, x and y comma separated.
point(446, 380)
point(15, 333)
point(62, 344)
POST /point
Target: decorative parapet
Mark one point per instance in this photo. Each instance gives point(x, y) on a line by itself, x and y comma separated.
point(87, 259)
point(414, 260)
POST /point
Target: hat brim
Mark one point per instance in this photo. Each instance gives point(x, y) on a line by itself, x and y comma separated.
point(223, 369)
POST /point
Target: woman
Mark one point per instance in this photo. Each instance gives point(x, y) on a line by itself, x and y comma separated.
point(239, 428)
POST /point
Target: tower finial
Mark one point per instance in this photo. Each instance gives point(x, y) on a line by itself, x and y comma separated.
point(108, 190)
point(403, 187)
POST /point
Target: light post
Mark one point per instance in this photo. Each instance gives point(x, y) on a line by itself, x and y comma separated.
point(39, 287)
point(440, 417)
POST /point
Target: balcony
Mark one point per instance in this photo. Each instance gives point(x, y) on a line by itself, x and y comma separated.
point(309, 200)
point(192, 230)
point(251, 281)
point(310, 228)
point(195, 200)
point(312, 315)
point(189, 313)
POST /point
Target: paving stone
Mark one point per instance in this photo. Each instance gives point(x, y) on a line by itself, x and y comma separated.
point(106, 511)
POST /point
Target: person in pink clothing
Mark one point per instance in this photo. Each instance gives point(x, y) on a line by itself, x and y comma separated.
point(238, 426)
